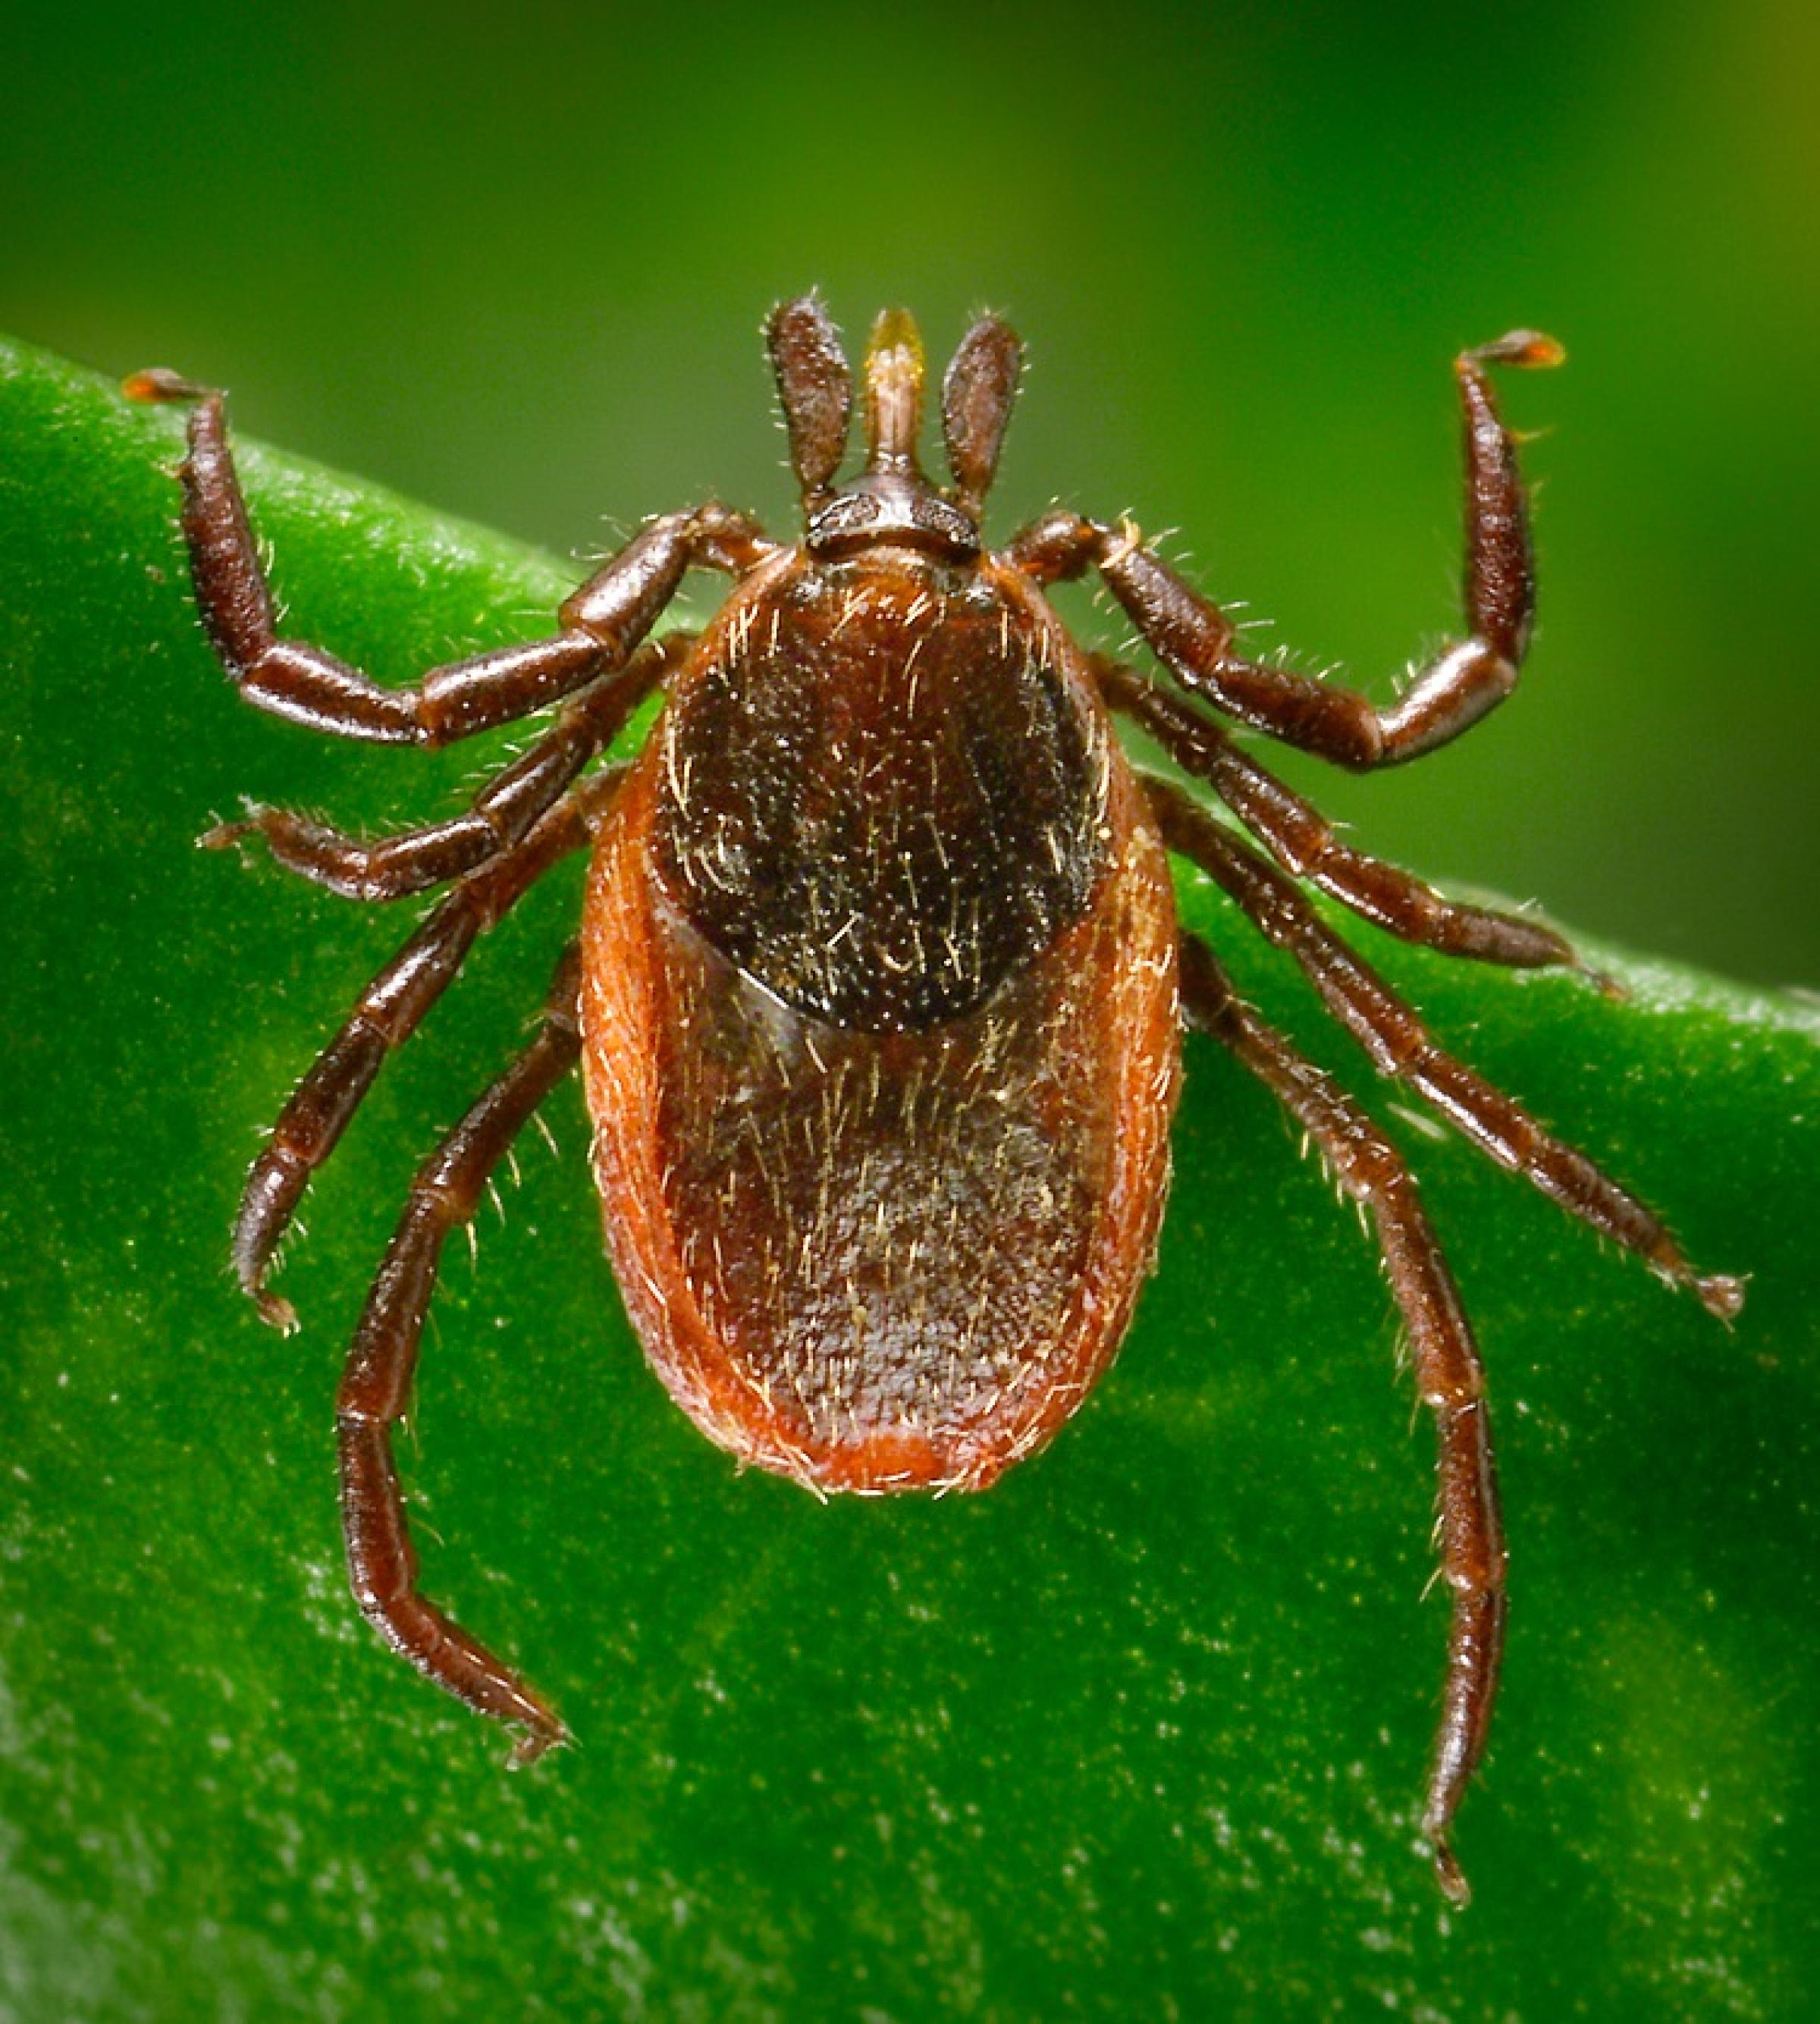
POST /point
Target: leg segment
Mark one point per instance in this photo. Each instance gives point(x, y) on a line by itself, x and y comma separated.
point(375, 1386)
point(1195, 640)
point(388, 1012)
point(1399, 1045)
point(1302, 841)
point(502, 813)
point(602, 622)
point(1448, 1375)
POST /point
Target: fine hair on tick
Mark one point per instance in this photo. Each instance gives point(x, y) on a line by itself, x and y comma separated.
point(879, 988)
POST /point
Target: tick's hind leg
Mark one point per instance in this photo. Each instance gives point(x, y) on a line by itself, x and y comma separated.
point(375, 1386)
point(1448, 1374)
point(1399, 1045)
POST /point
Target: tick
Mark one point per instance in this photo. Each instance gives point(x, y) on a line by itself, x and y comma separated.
point(879, 988)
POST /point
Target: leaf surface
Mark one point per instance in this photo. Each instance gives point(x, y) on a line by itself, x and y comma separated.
point(1141, 1733)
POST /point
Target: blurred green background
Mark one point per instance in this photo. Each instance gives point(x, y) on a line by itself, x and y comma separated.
point(513, 261)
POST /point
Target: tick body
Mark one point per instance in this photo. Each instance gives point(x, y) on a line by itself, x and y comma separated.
point(883, 1154)
point(879, 988)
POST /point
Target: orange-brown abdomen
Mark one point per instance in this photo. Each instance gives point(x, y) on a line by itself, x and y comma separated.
point(881, 1173)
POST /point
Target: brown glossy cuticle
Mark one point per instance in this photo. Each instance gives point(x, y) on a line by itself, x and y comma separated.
point(879, 986)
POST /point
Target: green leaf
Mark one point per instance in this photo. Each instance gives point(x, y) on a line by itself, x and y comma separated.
point(1139, 1733)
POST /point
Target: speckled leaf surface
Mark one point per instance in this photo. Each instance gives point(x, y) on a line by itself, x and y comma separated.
point(1139, 1734)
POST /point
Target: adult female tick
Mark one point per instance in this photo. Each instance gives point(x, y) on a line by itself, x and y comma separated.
point(879, 988)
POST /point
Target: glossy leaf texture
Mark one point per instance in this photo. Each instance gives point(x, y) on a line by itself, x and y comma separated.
point(1141, 1733)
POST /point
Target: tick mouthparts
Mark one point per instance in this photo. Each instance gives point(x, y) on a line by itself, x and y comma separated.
point(894, 392)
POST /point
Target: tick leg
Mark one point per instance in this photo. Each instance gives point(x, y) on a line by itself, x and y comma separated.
point(602, 622)
point(1302, 841)
point(375, 1386)
point(503, 812)
point(1400, 1045)
point(1448, 1374)
point(1195, 640)
point(387, 1013)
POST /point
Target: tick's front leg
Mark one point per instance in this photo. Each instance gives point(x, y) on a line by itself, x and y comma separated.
point(1195, 640)
point(602, 622)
